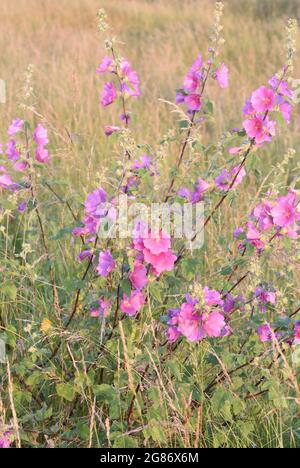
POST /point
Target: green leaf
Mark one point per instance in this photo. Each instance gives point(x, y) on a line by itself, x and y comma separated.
point(126, 442)
point(156, 292)
point(104, 392)
point(33, 379)
point(66, 391)
point(10, 290)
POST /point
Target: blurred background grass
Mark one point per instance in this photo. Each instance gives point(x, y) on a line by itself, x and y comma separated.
point(161, 38)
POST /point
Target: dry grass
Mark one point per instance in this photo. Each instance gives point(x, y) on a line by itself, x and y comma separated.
point(161, 39)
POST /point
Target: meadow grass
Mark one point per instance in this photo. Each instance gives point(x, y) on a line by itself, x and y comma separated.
point(161, 39)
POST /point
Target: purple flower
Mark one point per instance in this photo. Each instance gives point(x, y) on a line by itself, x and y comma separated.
point(109, 94)
point(106, 264)
point(42, 155)
point(84, 254)
point(94, 203)
point(110, 129)
point(264, 298)
point(107, 65)
point(5, 440)
point(222, 76)
point(197, 195)
point(226, 178)
point(40, 135)
point(16, 127)
point(266, 333)
point(131, 83)
point(22, 207)
point(11, 151)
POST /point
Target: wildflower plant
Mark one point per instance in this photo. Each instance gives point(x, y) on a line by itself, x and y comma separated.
point(138, 314)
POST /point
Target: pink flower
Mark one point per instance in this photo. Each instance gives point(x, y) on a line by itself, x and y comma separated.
point(263, 99)
point(248, 109)
point(286, 110)
point(262, 213)
point(190, 324)
point(6, 440)
point(106, 264)
point(213, 324)
point(131, 83)
point(197, 65)
point(235, 150)
point(197, 195)
point(297, 333)
point(133, 304)
point(138, 276)
point(265, 333)
point(107, 65)
point(109, 94)
point(103, 309)
point(95, 201)
point(42, 155)
point(40, 135)
point(11, 151)
point(260, 129)
point(222, 76)
point(173, 334)
point(145, 162)
point(20, 166)
point(157, 244)
point(16, 127)
point(6, 181)
point(84, 255)
point(193, 102)
point(191, 82)
point(162, 262)
point(281, 87)
point(212, 298)
point(264, 298)
point(226, 178)
point(110, 129)
point(285, 211)
point(232, 303)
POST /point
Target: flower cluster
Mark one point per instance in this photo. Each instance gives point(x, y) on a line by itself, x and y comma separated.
point(197, 321)
point(192, 89)
point(154, 249)
point(264, 298)
point(95, 211)
point(18, 158)
point(152, 255)
point(265, 100)
point(144, 164)
point(227, 180)
point(281, 216)
point(267, 334)
point(197, 195)
point(127, 85)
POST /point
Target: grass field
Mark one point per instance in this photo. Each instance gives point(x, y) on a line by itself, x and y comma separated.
point(161, 38)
